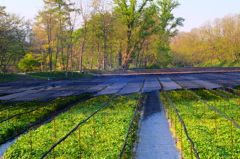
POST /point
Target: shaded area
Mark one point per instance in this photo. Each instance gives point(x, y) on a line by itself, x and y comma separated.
point(133, 86)
point(168, 84)
point(151, 83)
point(152, 104)
point(44, 91)
point(185, 82)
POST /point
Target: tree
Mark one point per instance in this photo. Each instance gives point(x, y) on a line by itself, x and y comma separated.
point(13, 36)
point(28, 63)
point(100, 26)
point(167, 25)
point(130, 13)
point(84, 16)
point(47, 21)
point(213, 44)
point(56, 22)
point(145, 21)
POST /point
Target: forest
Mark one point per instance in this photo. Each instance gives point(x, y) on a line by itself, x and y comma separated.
point(214, 44)
point(75, 35)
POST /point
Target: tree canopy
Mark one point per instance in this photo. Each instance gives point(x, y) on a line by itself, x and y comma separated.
point(214, 44)
point(70, 35)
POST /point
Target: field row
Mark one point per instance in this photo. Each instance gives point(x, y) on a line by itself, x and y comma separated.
point(18, 117)
point(213, 135)
point(101, 136)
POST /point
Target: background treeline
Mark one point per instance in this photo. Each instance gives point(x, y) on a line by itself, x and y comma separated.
point(216, 43)
point(75, 35)
point(71, 35)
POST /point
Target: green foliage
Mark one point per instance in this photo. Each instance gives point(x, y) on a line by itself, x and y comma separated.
point(138, 23)
point(237, 87)
point(214, 44)
point(129, 33)
point(12, 39)
point(167, 22)
point(17, 124)
point(12, 77)
point(28, 63)
point(101, 136)
point(6, 77)
point(58, 75)
point(213, 136)
point(167, 27)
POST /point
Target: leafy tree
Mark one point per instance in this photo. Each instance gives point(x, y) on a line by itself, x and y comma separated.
point(12, 39)
point(130, 14)
point(213, 44)
point(144, 21)
point(167, 24)
point(57, 24)
point(28, 63)
point(47, 21)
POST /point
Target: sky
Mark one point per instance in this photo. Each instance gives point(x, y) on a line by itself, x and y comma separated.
point(195, 12)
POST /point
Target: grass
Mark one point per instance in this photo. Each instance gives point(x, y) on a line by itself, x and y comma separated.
point(41, 76)
point(237, 87)
point(12, 77)
point(58, 75)
point(218, 63)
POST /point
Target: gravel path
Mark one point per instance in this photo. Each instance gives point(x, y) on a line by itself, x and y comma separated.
point(155, 140)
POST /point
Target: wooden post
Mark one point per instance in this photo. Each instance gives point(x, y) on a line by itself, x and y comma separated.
point(71, 115)
point(124, 154)
point(16, 126)
point(93, 123)
point(55, 105)
point(191, 150)
point(237, 111)
point(175, 124)
point(196, 110)
point(231, 136)
point(39, 116)
point(104, 116)
point(30, 137)
point(131, 139)
point(7, 116)
point(215, 117)
point(83, 107)
point(54, 128)
point(205, 113)
point(79, 142)
point(55, 134)
point(181, 138)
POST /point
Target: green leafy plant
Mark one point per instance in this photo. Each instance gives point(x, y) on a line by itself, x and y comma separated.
point(28, 63)
point(41, 111)
point(213, 136)
point(101, 136)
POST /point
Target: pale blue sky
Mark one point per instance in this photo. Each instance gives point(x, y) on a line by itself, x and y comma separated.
point(195, 12)
point(198, 12)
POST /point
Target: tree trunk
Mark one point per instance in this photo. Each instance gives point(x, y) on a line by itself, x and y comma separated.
point(50, 59)
point(81, 56)
point(80, 62)
point(120, 56)
point(105, 53)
